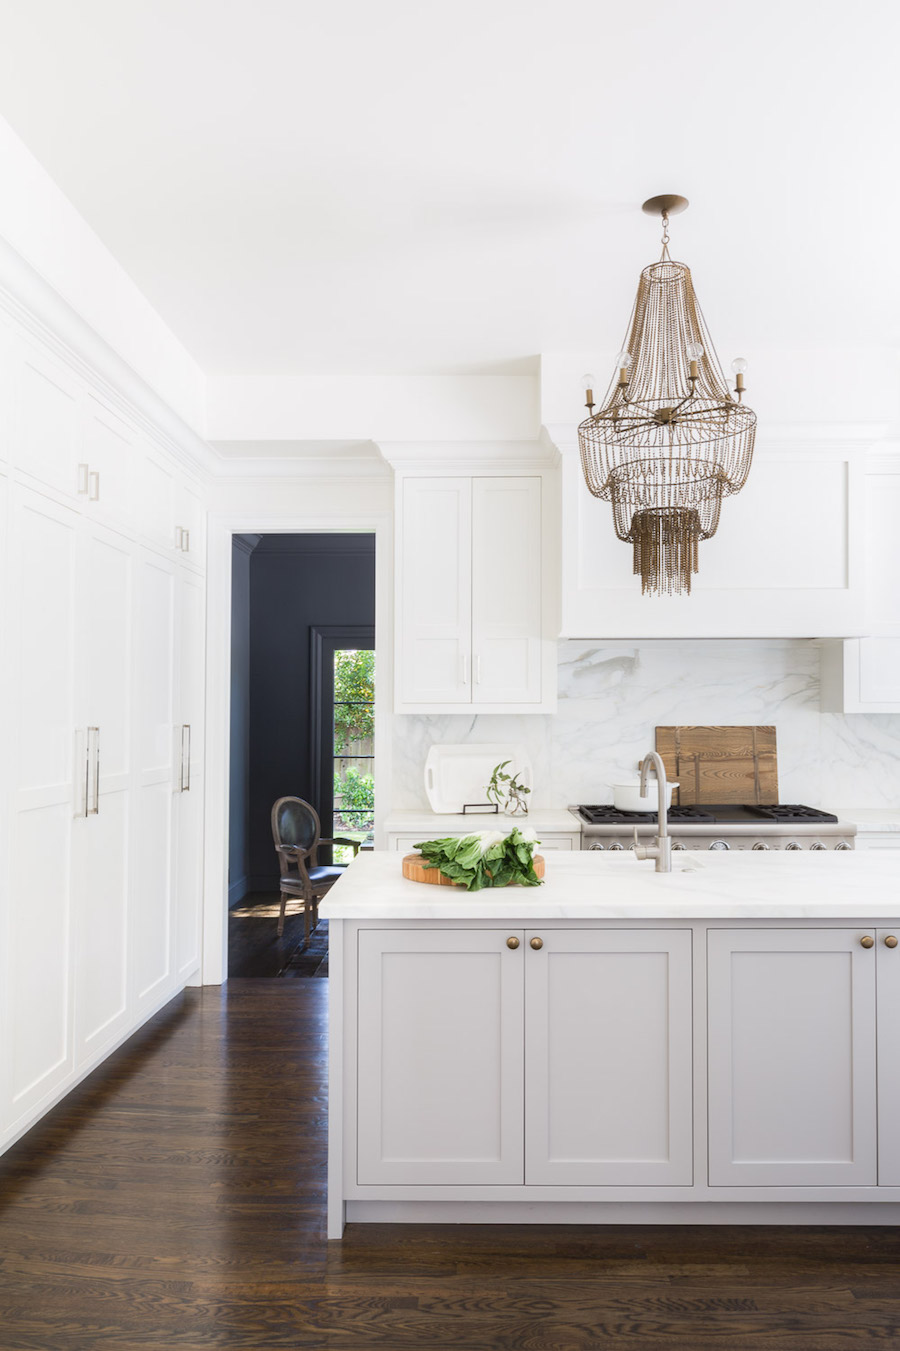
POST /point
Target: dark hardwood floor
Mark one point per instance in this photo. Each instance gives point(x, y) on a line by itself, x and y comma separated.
point(176, 1200)
point(254, 948)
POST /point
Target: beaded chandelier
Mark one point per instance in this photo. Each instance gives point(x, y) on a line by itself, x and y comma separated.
point(672, 437)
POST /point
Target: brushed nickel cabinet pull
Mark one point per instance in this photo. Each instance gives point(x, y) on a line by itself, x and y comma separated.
point(186, 541)
point(186, 758)
point(87, 772)
point(94, 485)
point(92, 803)
point(83, 472)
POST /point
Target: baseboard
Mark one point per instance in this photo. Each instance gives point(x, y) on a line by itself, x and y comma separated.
point(237, 891)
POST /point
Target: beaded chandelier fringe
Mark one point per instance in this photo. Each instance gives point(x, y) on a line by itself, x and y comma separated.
point(670, 441)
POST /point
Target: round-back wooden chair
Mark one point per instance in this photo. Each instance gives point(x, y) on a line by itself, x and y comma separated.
point(297, 833)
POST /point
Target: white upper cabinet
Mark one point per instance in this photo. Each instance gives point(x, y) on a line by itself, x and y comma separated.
point(47, 428)
point(472, 596)
point(787, 559)
point(109, 459)
point(435, 592)
point(862, 675)
point(506, 590)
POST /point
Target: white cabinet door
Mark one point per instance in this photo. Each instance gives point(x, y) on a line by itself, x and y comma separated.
point(888, 963)
point(111, 454)
point(791, 1058)
point(156, 490)
point(188, 839)
point(440, 1078)
point(861, 675)
point(43, 798)
point(152, 954)
point(190, 524)
point(101, 861)
point(608, 1035)
point(435, 619)
point(48, 422)
point(506, 590)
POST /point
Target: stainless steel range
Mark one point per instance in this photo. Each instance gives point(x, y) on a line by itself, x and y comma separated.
point(719, 827)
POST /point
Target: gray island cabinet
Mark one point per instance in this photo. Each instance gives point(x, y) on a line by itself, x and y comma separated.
point(719, 1044)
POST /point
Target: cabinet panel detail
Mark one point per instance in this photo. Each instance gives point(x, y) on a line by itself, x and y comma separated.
point(440, 1077)
point(436, 591)
point(506, 590)
point(609, 1058)
point(791, 1058)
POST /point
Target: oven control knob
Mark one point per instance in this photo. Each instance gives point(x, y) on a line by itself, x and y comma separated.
point(793, 845)
point(842, 844)
point(615, 845)
point(595, 846)
point(761, 844)
point(678, 845)
point(817, 844)
point(719, 844)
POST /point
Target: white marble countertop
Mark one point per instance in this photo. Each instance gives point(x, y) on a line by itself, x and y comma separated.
point(871, 819)
point(436, 825)
point(585, 885)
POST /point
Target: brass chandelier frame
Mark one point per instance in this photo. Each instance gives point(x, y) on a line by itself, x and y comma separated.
point(671, 439)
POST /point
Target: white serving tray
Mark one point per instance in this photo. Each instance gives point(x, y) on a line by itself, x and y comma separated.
point(458, 775)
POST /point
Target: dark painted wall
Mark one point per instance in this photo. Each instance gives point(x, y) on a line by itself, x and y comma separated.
point(295, 581)
point(242, 548)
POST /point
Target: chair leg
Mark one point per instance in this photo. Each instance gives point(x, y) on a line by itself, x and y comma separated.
point(307, 907)
point(281, 915)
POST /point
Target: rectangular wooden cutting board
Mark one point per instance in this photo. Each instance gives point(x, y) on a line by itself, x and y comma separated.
point(720, 764)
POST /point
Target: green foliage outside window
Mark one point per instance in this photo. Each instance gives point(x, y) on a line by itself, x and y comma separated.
point(354, 696)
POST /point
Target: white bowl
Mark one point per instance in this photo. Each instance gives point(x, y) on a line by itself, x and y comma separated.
point(627, 797)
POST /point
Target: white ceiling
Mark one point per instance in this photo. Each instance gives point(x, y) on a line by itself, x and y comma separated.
point(407, 186)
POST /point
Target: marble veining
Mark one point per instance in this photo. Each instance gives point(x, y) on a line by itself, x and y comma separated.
point(612, 696)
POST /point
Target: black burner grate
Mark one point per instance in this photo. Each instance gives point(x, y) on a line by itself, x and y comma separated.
point(607, 815)
point(781, 813)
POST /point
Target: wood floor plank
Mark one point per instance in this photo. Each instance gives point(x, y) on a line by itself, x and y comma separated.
point(176, 1200)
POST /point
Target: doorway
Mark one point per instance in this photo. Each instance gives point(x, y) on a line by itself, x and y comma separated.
point(302, 725)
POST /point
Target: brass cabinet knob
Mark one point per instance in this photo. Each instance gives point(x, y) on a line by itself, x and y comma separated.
point(537, 943)
point(867, 942)
point(512, 942)
point(890, 941)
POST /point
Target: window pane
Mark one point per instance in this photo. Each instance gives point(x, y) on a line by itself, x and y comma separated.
point(354, 748)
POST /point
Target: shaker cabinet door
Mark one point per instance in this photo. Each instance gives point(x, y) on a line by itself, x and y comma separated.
point(792, 1098)
point(435, 576)
point(608, 1032)
point(506, 590)
point(440, 1057)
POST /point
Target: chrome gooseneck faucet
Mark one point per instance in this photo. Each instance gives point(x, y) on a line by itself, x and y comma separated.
point(661, 849)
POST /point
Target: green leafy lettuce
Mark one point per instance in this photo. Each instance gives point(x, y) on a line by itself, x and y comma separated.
point(487, 858)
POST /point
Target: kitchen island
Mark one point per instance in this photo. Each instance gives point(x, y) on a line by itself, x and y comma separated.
point(719, 1044)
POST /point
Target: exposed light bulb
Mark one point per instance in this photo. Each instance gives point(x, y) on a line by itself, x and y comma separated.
point(695, 350)
point(739, 365)
point(587, 382)
point(730, 383)
point(623, 360)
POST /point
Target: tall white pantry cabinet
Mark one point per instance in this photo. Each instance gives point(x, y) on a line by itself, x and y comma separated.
point(102, 606)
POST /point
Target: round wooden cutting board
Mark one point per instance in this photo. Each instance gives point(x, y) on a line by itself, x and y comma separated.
point(416, 871)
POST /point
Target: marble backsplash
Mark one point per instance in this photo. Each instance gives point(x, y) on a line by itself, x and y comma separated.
point(612, 696)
